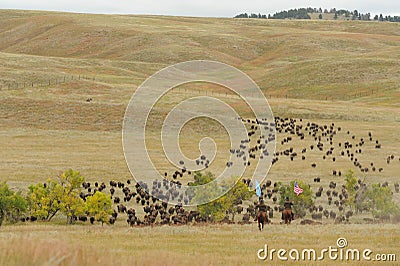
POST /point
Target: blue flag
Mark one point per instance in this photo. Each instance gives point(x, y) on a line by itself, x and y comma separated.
point(258, 189)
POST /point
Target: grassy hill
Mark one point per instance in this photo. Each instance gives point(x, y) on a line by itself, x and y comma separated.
point(341, 70)
point(304, 59)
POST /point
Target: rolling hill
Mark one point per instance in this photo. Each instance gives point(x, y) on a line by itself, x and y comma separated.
point(51, 63)
point(303, 59)
point(66, 80)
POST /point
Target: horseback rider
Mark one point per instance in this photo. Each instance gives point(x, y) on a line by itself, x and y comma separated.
point(287, 204)
point(262, 207)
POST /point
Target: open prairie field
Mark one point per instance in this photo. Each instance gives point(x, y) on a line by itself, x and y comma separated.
point(184, 245)
point(66, 80)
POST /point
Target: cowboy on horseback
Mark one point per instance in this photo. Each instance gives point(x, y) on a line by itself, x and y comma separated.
point(261, 208)
point(262, 214)
point(287, 204)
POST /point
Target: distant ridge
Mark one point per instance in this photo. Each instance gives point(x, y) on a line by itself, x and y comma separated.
point(318, 13)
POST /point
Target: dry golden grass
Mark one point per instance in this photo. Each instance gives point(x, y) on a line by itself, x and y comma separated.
point(346, 72)
point(303, 59)
point(33, 244)
point(320, 65)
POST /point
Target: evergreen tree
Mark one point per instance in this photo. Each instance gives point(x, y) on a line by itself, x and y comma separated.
point(355, 13)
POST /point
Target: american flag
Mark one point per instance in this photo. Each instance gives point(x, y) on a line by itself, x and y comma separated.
point(298, 190)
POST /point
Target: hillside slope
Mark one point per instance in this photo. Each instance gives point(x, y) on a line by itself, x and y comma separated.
point(300, 59)
point(65, 81)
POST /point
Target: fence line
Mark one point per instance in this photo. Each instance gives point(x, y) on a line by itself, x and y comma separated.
point(72, 78)
point(65, 79)
point(352, 96)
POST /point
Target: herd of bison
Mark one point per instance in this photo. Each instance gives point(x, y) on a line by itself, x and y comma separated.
point(133, 203)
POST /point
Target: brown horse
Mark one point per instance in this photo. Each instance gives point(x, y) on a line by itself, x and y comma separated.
point(262, 218)
point(287, 216)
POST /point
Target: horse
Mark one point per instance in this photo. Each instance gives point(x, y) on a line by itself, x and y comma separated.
point(262, 218)
point(287, 216)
